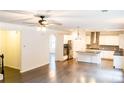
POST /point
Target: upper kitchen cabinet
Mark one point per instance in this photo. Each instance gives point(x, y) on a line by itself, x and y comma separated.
point(105, 38)
point(109, 40)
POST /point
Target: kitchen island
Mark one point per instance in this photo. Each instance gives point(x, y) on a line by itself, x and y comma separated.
point(89, 56)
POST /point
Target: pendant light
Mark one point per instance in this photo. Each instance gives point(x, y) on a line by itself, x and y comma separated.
point(78, 34)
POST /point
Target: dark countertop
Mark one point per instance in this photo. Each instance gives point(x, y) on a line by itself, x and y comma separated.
point(119, 53)
point(89, 52)
point(104, 47)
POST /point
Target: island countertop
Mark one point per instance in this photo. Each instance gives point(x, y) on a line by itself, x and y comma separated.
point(89, 51)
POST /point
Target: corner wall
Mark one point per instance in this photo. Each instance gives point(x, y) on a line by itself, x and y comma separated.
point(59, 47)
point(34, 48)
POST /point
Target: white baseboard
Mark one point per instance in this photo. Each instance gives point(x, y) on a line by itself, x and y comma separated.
point(22, 71)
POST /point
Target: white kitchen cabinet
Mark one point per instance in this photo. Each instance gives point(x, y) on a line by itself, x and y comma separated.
point(89, 57)
point(113, 40)
point(118, 62)
point(107, 54)
point(96, 59)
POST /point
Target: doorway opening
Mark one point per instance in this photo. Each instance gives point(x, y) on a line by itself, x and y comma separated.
point(10, 48)
point(52, 48)
point(52, 55)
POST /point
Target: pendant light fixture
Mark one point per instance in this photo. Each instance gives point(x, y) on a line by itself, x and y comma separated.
point(78, 34)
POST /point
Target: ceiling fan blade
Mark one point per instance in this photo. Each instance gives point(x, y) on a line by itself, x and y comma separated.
point(17, 11)
point(24, 19)
point(54, 22)
point(39, 15)
point(57, 24)
point(46, 13)
point(29, 23)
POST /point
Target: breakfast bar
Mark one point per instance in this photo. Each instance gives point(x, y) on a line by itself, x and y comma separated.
point(89, 56)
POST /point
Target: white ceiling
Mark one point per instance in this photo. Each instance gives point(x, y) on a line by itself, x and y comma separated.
point(70, 19)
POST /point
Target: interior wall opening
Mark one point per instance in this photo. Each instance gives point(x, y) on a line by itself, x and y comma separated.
point(10, 47)
point(52, 48)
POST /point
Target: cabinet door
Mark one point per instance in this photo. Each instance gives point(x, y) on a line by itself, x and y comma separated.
point(107, 54)
point(122, 66)
point(96, 59)
point(84, 58)
point(119, 62)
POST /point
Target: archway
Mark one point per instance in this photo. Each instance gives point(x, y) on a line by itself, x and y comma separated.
point(52, 48)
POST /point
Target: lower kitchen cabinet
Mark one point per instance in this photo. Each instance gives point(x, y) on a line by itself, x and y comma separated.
point(107, 54)
point(118, 62)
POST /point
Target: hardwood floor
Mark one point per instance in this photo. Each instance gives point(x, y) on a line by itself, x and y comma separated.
point(11, 75)
point(67, 72)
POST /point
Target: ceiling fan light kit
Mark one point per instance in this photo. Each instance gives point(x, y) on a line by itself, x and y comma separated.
point(38, 28)
point(43, 23)
point(41, 29)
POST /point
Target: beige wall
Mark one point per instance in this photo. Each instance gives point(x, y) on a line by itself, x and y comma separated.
point(10, 47)
point(2, 41)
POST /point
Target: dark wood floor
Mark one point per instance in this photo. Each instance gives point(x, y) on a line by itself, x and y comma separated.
point(67, 72)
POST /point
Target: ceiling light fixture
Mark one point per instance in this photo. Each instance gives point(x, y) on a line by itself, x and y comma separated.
point(41, 29)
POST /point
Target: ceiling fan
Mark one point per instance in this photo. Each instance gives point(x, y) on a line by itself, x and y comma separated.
point(40, 19)
point(46, 22)
point(43, 22)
